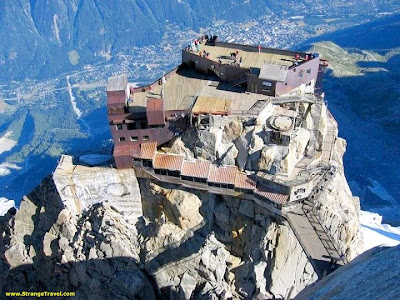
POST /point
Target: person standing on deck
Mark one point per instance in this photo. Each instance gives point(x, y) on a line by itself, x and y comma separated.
point(259, 48)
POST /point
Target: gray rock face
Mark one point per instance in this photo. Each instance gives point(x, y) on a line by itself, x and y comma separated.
point(192, 246)
point(374, 274)
point(95, 254)
point(106, 234)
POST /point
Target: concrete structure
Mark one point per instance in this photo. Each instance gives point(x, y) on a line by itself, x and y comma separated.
point(274, 89)
point(160, 111)
point(262, 70)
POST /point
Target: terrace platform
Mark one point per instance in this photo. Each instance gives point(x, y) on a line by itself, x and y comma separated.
point(250, 59)
point(180, 90)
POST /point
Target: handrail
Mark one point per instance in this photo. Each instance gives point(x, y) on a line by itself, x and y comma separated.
point(344, 259)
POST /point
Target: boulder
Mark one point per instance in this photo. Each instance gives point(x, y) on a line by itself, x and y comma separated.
point(272, 156)
point(188, 285)
point(179, 147)
point(242, 147)
point(185, 208)
point(227, 153)
point(234, 129)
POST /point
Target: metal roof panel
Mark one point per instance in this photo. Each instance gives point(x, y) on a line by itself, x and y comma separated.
point(242, 181)
point(148, 150)
point(196, 168)
point(223, 174)
point(271, 195)
point(172, 162)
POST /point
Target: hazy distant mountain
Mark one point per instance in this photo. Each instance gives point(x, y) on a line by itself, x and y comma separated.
point(43, 38)
point(46, 37)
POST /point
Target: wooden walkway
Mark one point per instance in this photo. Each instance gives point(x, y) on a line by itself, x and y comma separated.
point(314, 241)
point(311, 234)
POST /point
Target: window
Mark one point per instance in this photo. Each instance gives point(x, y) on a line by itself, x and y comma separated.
point(308, 72)
point(122, 139)
point(301, 74)
point(118, 126)
point(145, 138)
point(134, 138)
point(266, 85)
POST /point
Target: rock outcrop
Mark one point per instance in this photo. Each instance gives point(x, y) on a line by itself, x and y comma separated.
point(187, 244)
point(375, 274)
point(103, 233)
point(46, 247)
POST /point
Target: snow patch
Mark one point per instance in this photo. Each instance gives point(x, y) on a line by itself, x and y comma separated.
point(6, 143)
point(5, 205)
point(375, 233)
point(6, 168)
point(72, 98)
point(56, 29)
point(94, 159)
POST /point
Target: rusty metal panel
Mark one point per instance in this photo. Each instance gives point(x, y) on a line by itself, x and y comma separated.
point(271, 195)
point(223, 175)
point(242, 181)
point(117, 118)
point(172, 162)
point(123, 162)
point(196, 168)
point(126, 149)
point(155, 111)
point(116, 97)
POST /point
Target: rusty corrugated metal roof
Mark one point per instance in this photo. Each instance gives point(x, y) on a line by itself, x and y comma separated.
point(242, 181)
point(223, 175)
point(272, 195)
point(172, 162)
point(196, 168)
point(148, 150)
point(125, 150)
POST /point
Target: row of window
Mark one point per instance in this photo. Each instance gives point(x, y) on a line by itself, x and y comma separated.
point(133, 126)
point(148, 163)
point(133, 138)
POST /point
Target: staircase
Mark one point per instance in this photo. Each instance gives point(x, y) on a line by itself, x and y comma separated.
point(256, 108)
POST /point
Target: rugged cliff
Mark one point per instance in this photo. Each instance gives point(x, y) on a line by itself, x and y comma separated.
point(104, 233)
point(187, 243)
point(373, 275)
